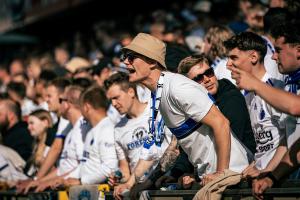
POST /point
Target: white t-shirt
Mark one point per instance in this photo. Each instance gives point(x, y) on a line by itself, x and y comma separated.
point(28, 107)
point(73, 150)
point(291, 123)
point(143, 93)
point(183, 105)
point(99, 157)
point(113, 114)
point(270, 64)
point(265, 125)
point(130, 135)
point(64, 127)
point(221, 71)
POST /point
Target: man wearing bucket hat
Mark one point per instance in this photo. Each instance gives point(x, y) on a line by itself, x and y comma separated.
point(187, 109)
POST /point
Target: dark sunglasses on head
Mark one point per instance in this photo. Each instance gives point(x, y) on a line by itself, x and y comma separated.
point(200, 77)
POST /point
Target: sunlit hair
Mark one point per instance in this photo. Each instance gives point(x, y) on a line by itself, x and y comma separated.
point(187, 63)
point(121, 79)
point(73, 93)
point(247, 41)
point(215, 36)
point(42, 115)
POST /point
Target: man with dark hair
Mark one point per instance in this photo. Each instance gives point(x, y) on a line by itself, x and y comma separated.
point(287, 46)
point(13, 130)
point(99, 157)
point(132, 131)
point(247, 51)
point(280, 16)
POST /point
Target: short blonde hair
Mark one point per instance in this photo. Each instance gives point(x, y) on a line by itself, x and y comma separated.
point(187, 63)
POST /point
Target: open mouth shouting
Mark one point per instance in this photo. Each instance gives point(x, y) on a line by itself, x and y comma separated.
point(130, 70)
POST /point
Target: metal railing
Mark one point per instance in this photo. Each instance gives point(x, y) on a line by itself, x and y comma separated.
point(288, 189)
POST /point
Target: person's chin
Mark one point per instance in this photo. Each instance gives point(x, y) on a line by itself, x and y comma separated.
point(133, 77)
point(212, 91)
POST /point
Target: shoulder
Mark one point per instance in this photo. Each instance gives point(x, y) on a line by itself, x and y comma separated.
point(122, 123)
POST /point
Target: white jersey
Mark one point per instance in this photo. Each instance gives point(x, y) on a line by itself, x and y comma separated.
point(99, 157)
point(221, 71)
point(143, 93)
point(292, 123)
point(265, 125)
point(130, 135)
point(28, 107)
point(113, 114)
point(64, 127)
point(183, 105)
point(73, 150)
point(270, 64)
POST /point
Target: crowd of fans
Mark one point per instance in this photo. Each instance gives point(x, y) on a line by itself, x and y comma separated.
point(195, 100)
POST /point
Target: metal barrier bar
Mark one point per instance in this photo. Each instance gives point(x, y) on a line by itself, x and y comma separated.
point(272, 192)
point(290, 188)
point(12, 195)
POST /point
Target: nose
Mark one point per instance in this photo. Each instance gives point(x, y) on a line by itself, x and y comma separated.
point(114, 102)
point(229, 63)
point(126, 62)
point(206, 79)
point(275, 56)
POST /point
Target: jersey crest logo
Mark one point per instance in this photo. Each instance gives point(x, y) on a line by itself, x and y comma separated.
point(262, 114)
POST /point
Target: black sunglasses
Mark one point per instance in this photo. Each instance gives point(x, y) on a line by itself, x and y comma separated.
point(129, 56)
point(200, 77)
point(62, 99)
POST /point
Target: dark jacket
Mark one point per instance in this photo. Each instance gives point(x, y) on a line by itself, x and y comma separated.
point(233, 105)
point(19, 139)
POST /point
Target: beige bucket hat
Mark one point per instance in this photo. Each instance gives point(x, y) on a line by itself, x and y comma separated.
point(148, 46)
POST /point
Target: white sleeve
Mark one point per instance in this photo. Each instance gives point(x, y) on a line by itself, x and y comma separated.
point(120, 151)
point(192, 98)
point(108, 161)
point(74, 173)
point(63, 129)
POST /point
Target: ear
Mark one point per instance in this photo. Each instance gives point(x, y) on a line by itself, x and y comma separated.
point(45, 122)
point(86, 107)
point(254, 56)
point(131, 92)
point(153, 65)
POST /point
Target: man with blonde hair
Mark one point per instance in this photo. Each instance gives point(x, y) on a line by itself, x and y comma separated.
point(201, 129)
